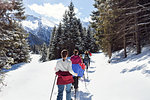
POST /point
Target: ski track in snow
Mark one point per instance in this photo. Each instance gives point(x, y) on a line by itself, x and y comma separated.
point(34, 81)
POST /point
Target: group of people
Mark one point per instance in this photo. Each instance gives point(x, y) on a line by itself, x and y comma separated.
point(69, 71)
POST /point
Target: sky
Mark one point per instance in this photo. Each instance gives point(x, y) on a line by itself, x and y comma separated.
point(53, 10)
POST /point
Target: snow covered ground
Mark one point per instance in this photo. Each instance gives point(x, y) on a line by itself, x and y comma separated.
point(123, 79)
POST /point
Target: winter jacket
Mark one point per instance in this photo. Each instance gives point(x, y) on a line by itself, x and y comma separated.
point(76, 61)
point(82, 66)
point(64, 72)
point(90, 53)
point(64, 66)
point(64, 77)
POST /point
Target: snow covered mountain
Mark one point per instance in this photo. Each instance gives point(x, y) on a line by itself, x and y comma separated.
point(40, 28)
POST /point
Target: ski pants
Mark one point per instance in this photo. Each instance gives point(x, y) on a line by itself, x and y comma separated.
point(87, 62)
point(76, 81)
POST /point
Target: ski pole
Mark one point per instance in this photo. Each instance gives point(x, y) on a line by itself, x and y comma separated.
point(84, 81)
point(75, 94)
point(53, 87)
point(87, 72)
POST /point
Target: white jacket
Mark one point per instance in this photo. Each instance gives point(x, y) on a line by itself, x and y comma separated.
point(64, 66)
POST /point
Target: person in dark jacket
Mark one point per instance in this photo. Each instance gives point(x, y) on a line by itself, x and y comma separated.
point(86, 59)
point(76, 61)
point(65, 78)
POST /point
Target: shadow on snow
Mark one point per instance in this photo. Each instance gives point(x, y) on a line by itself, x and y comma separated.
point(85, 96)
point(80, 95)
point(14, 67)
point(119, 58)
point(92, 67)
point(91, 71)
point(137, 68)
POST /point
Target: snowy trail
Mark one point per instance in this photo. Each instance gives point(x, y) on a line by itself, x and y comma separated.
point(34, 81)
point(31, 81)
point(109, 84)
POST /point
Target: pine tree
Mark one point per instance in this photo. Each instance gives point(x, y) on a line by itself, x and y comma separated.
point(95, 14)
point(35, 49)
point(21, 50)
point(18, 6)
point(59, 41)
point(104, 19)
point(69, 35)
point(13, 37)
point(56, 42)
point(121, 24)
point(90, 43)
point(44, 51)
point(52, 46)
point(83, 36)
point(13, 43)
point(71, 30)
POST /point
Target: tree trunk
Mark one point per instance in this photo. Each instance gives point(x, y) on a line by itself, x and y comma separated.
point(138, 46)
point(109, 50)
point(124, 45)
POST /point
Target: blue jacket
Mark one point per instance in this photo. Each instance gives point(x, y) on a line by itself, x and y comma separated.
point(77, 69)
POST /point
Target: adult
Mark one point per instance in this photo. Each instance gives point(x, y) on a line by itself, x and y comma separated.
point(76, 61)
point(64, 72)
point(87, 59)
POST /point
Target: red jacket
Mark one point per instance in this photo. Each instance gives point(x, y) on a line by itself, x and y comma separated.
point(82, 65)
point(90, 53)
point(76, 59)
point(64, 77)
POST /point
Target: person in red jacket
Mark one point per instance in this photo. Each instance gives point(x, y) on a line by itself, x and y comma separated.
point(82, 64)
point(65, 78)
point(76, 61)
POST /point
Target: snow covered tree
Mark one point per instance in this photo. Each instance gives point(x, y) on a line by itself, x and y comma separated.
point(35, 49)
point(13, 37)
point(90, 43)
point(103, 21)
point(82, 37)
point(52, 46)
point(95, 14)
point(20, 48)
point(69, 35)
point(71, 29)
point(13, 44)
point(59, 41)
point(44, 52)
point(120, 24)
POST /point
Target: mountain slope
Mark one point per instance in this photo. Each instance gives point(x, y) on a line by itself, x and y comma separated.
point(34, 40)
point(39, 27)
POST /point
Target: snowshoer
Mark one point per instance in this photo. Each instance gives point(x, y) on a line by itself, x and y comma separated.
point(87, 58)
point(76, 62)
point(82, 64)
point(65, 78)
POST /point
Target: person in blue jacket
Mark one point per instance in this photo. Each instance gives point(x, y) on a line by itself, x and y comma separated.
point(76, 61)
